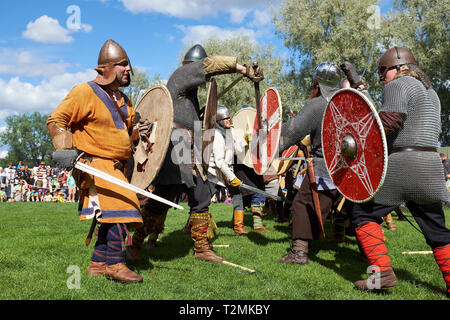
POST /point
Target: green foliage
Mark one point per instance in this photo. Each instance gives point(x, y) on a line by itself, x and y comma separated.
point(330, 30)
point(40, 241)
point(423, 27)
point(243, 92)
point(28, 139)
point(337, 30)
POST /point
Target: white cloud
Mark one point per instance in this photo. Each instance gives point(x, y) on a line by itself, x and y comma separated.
point(237, 15)
point(262, 17)
point(197, 9)
point(199, 33)
point(17, 96)
point(24, 63)
point(3, 154)
point(47, 30)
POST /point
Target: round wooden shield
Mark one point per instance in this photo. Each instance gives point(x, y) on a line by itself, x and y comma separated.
point(265, 140)
point(243, 122)
point(354, 145)
point(156, 106)
point(209, 123)
point(290, 152)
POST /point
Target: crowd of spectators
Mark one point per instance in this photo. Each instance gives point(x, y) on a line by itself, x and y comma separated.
point(39, 184)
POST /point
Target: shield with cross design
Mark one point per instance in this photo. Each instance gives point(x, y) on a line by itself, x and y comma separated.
point(354, 145)
point(265, 139)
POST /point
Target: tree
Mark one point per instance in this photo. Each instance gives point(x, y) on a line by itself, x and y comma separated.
point(28, 139)
point(139, 82)
point(337, 30)
point(243, 92)
point(329, 30)
point(422, 27)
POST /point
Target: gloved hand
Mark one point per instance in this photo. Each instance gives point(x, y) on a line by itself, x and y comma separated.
point(64, 158)
point(236, 182)
point(254, 74)
point(352, 75)
point(248, 137)
point(144, 127)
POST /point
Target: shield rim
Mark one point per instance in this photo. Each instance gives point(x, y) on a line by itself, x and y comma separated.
point(205, 162)
point(280, 107)
point(383, 138)
point(166, 141)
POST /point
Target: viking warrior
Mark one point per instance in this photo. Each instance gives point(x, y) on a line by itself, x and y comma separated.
point(177, 175)
point(220, 169)
point(308, 123)
point(101, 121)
point(410, 115)
point(242, 198)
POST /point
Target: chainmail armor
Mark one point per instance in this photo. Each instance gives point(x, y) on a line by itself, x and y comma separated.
point(307, 121)
point(413, 175)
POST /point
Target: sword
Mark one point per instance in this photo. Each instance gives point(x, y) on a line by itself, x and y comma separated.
point(250, 188)
point(294, 158)
point(102, 175)
point(229, 87)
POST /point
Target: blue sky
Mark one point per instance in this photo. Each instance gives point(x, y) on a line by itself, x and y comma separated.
point(48, 46)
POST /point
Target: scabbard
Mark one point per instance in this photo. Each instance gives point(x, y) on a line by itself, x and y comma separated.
point(315, 194)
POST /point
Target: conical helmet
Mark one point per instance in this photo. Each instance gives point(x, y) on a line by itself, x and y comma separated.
point(195, 53)
point(395, 56)
point(110, 54)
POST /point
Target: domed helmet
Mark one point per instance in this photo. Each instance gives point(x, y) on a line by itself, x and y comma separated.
point(195, 53)
point(328, 76)
point(221, 114)
point(110, 54)
point(394, 57)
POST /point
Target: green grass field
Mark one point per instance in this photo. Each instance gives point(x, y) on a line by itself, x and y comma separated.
point(42, 249)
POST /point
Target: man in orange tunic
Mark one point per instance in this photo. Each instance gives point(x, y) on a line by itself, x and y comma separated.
point(100, 119)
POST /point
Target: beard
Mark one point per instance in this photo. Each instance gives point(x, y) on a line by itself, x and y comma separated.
point(124, 81)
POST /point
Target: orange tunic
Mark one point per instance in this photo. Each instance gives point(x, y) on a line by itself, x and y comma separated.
point(99, 130)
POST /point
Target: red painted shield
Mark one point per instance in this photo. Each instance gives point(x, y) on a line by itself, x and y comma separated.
point(264, 144)
point(357, 171)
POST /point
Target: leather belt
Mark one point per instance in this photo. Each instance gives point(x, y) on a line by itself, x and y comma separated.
point(401, 149)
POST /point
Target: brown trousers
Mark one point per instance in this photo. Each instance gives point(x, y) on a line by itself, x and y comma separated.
point(305, 224)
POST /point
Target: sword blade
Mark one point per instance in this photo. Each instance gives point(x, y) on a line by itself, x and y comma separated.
point(294, 158)
point(102, 175)
point(250, 188)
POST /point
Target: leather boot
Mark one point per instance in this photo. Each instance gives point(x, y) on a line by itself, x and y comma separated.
point(120, 272)
point(97, 269)
point(390, 222)
point(298, 253)
point(133, 255)
point(378, 280)
point(239, 222)
point(199, 234)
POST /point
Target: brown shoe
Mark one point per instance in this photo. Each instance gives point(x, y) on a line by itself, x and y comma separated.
point(120, 272)
point(376, 281)
point(208, 255)
point(133, 255)
point(97, 269)
point(295, 256)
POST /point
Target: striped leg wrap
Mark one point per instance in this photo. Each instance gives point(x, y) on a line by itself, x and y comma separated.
point(199, 229)
point(116, 238)
point(370, 236)
point(442, 257)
